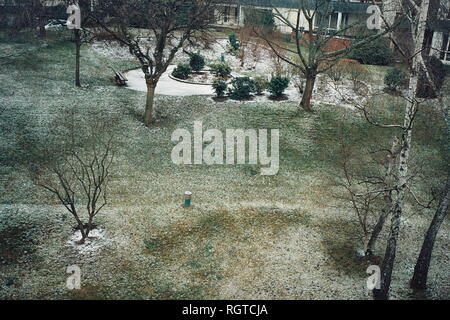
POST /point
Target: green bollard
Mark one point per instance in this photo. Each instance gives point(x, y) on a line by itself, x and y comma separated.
point(187, 199)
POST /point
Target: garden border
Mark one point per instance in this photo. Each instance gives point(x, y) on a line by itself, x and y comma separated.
point(196, 83)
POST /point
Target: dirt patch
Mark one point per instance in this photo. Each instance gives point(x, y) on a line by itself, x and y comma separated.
point(220, 99)
point(280, 98)
point(341, 247)
point(14, 243)
point(87, 292)
point(395, 93)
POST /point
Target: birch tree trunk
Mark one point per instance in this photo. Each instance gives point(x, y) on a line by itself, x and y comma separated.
point(398, 204)
point(418, 30)
point(420, 276)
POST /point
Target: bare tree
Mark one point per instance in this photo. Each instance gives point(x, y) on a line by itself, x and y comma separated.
point(37, 10)
point(417, 15)
point(76, 169)
point(162, 28)
point(370, 192)
point(245, 37)
point(420, 276)
point(31, 14)
point(311, 43)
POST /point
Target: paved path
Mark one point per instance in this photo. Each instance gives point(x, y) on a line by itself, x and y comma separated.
point(166, 86)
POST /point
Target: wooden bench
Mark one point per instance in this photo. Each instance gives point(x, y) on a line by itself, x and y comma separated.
point(121, 80)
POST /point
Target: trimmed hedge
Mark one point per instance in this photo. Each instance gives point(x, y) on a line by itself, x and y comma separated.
point(395, 78)
point(260, 84)
point(277, 86)
point(220, 86)
point(241, 88)
point(222, 70)
point(234, 43)
point(197, 62)
point(182, 71)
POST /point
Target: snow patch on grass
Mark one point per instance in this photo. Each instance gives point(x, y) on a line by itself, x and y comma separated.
point(96, 240)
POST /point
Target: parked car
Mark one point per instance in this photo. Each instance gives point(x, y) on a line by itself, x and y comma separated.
point(56, 24)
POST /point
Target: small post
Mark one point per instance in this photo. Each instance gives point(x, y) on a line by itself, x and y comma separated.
point(187, 199)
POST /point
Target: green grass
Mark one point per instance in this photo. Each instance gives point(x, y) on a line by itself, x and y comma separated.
point(239, 221)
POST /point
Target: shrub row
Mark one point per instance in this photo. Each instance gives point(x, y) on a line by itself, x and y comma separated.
point(243, 87)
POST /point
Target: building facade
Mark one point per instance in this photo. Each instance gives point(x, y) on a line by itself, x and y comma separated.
point(342, 13)
point(439, 30)
point(234, 13)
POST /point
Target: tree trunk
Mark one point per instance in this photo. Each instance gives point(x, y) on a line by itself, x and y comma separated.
point(148, 115)
point(308, 92)
point(77, 57)
point(418, 31)
point(370, 249)
point(39, 11)
point(398, 204)
point(80, 224)
point(389, 256)
point(388, 179)
point(42, 31)
point(419, 279)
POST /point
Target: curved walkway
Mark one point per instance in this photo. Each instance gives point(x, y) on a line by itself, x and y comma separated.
point(166, 85)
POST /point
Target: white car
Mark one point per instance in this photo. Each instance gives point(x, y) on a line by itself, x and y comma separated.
point(56, 24)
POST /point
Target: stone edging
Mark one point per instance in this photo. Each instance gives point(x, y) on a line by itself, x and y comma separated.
point(189, 82)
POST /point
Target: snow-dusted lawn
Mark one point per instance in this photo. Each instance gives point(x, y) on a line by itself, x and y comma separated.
point(246, 237)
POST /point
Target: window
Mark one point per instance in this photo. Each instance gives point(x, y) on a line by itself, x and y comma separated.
point(344, 22)
point(332, 21)
point(230, 14)
point(329, 22)
point(445, 55)
point(318, 20)
point(226, 14)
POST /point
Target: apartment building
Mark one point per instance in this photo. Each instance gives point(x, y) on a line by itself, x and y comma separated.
point(342, 13)
point(234, 13)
